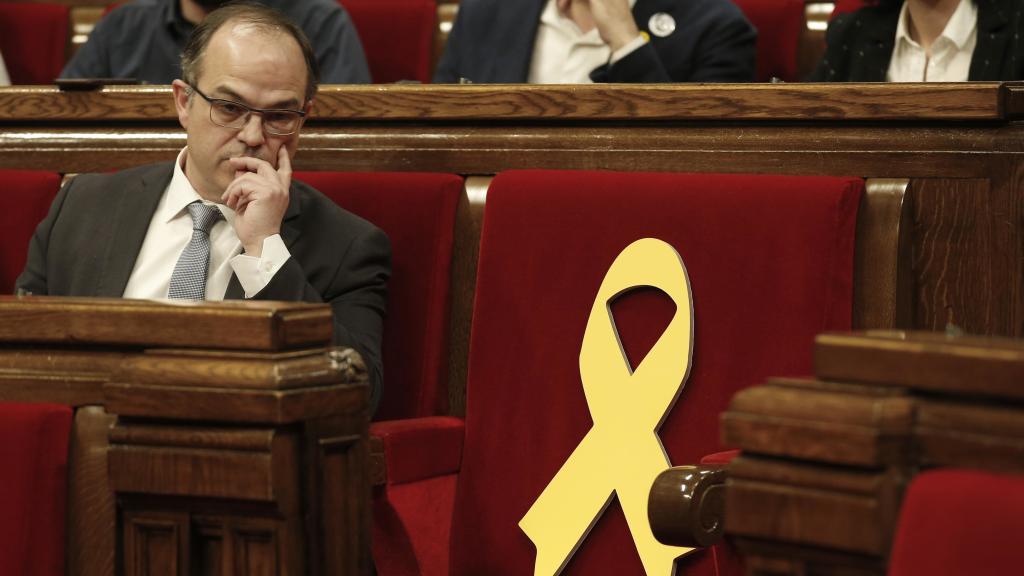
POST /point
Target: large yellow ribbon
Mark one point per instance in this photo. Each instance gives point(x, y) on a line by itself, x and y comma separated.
point(621, 454)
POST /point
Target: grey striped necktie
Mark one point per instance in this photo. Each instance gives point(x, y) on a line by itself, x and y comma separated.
point(188, 281)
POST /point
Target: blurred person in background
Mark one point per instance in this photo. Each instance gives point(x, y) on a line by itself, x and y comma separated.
point(578, 41)
point(925, 41)
point(143, 40)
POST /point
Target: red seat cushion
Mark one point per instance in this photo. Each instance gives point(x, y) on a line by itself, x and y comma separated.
point(34, 456)
point(397, 36)
point(417, 212)
point(956, 522)
point(770, 261)
point(25, 198)
point(779, 24)
point(33, 37)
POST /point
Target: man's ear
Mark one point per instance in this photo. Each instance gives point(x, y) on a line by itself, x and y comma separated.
point(182, 100)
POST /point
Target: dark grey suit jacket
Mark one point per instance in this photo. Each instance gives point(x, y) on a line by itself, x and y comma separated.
point(860, 43)
point(88, 243)
point(492, 42)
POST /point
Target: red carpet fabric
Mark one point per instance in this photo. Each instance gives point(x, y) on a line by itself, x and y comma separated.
point(34, 452)
point(25, 197)
point(778, 24)
point(33, 37)
point(417, 212)
point(770, 261)
point(956, 522)
point(397, 36)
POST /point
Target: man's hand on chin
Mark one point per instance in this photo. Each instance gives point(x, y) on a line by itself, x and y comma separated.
point(259, 197)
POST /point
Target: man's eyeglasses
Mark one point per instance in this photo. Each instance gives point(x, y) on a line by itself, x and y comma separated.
point(231, 114)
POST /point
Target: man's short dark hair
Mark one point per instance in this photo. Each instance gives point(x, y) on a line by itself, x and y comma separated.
point(255, 14)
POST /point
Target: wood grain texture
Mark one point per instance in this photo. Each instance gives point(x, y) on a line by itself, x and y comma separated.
point(245, 325)
point(92, 515)
point(963, 366)
point(820, 424)
point(846, 102)
point(212, 369)
point(883, 287)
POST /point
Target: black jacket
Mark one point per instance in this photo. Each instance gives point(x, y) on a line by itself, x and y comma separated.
point(860, 44)
point(492, 42)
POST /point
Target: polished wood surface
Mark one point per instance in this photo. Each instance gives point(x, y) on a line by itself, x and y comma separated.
point(240, 324)
point(585, 102)
point(226, 437)
point(825, 462)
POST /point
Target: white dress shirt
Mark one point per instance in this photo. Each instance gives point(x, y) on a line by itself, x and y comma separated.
point(950, 58)
point(5, 80)
point(562, 54)
point(170, 231)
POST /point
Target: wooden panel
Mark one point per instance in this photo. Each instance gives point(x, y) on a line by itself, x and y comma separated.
point(821, 422)
point(964, 366)
point(965, 249)
point(154, 544)
point(246, 325)
point(800, 503)
point(849, 102)
point(971, 436)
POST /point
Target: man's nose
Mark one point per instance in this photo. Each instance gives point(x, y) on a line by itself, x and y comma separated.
point(252, 132)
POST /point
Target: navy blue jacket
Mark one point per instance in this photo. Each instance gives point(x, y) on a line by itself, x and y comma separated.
point(492, 42)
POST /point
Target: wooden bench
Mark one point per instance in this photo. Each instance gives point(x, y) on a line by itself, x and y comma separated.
point(223, 435)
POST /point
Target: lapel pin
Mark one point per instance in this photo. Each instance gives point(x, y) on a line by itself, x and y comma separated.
point(662, 24)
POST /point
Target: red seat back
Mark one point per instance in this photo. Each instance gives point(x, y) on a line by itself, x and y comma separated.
point(33, 473)
point(956, 522)
point(25, 197)
point(33, 40)
point(417, 212)
point(779, 24)
point(397, 36)
point(770, 261)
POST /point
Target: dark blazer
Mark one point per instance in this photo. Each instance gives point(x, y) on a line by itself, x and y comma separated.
point(492, 42)
point(88, 243)
point(860, 43)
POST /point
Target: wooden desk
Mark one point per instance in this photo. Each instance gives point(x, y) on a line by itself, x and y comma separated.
point(211, 438)
point(825, 462)
point(960, 146)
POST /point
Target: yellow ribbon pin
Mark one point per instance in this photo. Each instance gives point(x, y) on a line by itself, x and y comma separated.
point(622, 453)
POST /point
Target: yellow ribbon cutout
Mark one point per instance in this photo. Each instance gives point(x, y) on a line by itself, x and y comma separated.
point(622, 453)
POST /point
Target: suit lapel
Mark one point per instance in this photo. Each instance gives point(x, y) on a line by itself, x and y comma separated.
point(290, 232)
point(135, 206)
point(510, 63)
point(871, 56)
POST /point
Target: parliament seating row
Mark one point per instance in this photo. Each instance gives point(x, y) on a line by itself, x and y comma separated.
point(402, 38)
point(764, 254)
point(397, 36)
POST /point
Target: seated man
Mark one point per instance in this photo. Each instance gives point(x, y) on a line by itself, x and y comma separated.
point(144, 39)
point(225, 220)
point(578, 41)
point(925, 41)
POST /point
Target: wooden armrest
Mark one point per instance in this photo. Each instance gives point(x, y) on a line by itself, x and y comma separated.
point(687, 505)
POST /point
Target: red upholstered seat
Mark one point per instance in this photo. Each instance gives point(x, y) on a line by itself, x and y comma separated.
point(770, 263)
point(956, 522)
point(33, 475)
point(25, 197)
point(33, 40)
point(779, 24)
point(417, 212)
point(397, 36)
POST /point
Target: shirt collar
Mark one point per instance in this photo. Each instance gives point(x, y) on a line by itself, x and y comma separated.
point(180, 194)
point(961, 25)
